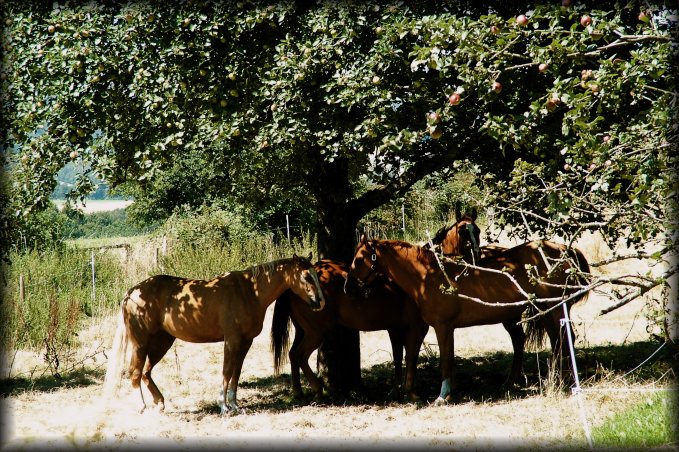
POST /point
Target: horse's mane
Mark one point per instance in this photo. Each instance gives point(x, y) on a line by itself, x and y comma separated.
point(441, 234)
point(266, 267)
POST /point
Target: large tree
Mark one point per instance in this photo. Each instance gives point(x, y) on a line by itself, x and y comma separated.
point(566, 111)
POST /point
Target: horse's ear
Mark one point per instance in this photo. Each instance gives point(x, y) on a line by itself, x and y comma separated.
point(458, 213)
point(474, 213)
point(295, 256)
point(364, 238)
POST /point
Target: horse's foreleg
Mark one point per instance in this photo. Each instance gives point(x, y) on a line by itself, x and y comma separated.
point(396, 336)
point(518, 341)
point(233, 363)
point(445, 337)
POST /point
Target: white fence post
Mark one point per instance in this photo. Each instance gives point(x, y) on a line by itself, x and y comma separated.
point(94, 287)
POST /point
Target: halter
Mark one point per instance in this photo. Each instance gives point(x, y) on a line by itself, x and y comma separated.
point(372, 274)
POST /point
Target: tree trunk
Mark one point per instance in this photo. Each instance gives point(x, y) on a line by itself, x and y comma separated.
point(339, 357)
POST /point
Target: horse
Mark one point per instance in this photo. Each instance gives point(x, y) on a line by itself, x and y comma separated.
point(498, 290)
point(462, 239)
point(384, 307)
point(229, 308)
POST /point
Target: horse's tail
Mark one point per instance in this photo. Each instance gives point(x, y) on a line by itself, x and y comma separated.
point(114, 368)
point(280, 337)
point(535, 329)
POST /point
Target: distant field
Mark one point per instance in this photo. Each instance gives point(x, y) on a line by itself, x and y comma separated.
point(97, 205)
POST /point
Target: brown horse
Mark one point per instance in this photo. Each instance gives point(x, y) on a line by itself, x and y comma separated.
point(228, 308)
point(499, 290)
point(384, 307)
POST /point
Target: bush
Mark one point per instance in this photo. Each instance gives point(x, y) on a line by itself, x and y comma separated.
point(113, 223)
point(205, 227)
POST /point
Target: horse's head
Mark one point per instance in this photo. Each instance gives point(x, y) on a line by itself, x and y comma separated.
point(463, 238)
point(305, 282)
point(364, 267)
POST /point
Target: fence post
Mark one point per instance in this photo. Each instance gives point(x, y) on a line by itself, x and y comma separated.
point(287, 224)
point(94, 278)
point(22, 292)
point(403, 217)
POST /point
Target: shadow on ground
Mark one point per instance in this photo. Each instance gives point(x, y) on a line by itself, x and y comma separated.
point(479, 379)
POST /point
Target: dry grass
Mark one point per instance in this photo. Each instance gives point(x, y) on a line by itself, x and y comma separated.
point(70, 413)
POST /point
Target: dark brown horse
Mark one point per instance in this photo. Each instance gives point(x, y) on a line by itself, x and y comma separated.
point(463, 239)
point(499, 290)
point(384, 307)
point(228, 308)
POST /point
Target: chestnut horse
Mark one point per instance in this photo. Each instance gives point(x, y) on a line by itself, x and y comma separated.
point(227, 308)
point(499, 290)
point(384, 307)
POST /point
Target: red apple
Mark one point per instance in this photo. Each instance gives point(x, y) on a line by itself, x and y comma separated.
point(522, 20)
point(496, 86)
point(643, 17)
point(73, 154)
point(494, 29)
point(586, 74)
point(566, 167)
point(454, 99)
point(434, 117)
point(543, 67)
point(565, 2)
point(585, 20)
point(595, 88)
point(606, 138)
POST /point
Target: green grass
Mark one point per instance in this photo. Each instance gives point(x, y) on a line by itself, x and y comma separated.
point(650, 424)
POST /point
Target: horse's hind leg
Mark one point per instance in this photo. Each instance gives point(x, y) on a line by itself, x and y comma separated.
point(158, 346)
point(299, 357)
point(413, 342)
point(515, 331)
point(296, 381)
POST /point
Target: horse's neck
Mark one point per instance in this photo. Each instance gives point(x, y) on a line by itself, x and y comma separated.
point(451, 243)
point(409, 272)
point(268, 282)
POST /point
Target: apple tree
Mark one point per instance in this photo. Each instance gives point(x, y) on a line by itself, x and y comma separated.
point(564, 109)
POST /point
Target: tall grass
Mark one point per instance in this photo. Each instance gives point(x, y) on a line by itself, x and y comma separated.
point(58, 296)
point(206, 262)
point(59, 300)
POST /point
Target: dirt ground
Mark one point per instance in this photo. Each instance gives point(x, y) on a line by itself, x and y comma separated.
point(72, 414)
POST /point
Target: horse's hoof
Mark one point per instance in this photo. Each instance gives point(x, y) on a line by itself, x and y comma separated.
point(441, 401)
point(413, 398)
